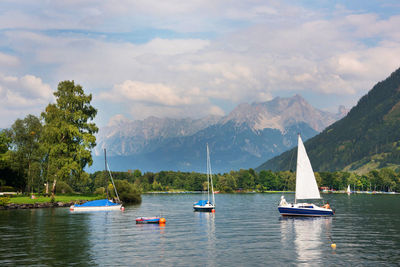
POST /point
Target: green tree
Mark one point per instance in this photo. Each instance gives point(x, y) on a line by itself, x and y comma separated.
point(4, 146)
point(388, 179)
point(8, 176)
point(269, 180)
point(227, 183)
point(128, 193)
point(26, 152)
point(68, 134)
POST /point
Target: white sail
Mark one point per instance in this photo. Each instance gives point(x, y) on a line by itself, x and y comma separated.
point(306, 185)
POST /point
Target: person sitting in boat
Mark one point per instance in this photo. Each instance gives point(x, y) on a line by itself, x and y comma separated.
point(326, 206)
point(283, 201)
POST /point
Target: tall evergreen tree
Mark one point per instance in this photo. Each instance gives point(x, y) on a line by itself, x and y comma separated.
point(68, 134)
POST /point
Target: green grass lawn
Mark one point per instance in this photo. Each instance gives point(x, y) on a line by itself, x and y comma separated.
point(41, 199)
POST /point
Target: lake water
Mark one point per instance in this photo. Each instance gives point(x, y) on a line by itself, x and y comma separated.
point(246, 230)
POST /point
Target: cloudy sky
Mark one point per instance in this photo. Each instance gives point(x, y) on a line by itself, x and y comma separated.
point(193, 58)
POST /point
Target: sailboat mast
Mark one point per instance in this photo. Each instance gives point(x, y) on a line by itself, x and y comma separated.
point(297, 163)
point(105, 168)
point(208, 175)
point(212, 186)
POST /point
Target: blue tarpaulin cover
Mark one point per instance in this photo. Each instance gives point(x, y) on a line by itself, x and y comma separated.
point(201, 203)
point(97, 203)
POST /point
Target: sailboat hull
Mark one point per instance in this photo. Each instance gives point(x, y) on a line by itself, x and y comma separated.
point(203, 209)
point(99, 208)
point(306, 210)
point(96, 205)
point(148, 220)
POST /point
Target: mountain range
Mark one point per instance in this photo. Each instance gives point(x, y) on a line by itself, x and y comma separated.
point(244, 138)
point(367, 138)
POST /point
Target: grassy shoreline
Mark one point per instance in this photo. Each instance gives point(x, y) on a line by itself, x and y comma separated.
point(43, 199)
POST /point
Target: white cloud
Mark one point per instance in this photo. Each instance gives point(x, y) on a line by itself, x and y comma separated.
point(150, 99)
point(250, 51)
point(157, 94)
point(20, 96)
point(7, 60)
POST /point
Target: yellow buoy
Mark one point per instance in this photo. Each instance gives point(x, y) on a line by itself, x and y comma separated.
point(333, 246)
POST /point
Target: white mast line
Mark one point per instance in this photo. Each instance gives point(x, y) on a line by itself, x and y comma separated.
point(112, 180)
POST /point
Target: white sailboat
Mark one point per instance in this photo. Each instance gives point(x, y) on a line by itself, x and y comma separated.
point(306, 188)
point(348, 191)
point(207, 205)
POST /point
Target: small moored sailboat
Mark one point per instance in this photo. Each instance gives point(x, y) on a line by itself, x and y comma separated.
point(306, 188)
point(101, 204)
point(206, 205)
point(348, 191)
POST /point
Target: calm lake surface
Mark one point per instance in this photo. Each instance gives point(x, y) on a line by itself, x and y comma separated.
point(246, 230)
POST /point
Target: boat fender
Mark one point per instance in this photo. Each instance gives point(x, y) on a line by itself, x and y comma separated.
point(122, 208)
point(213, 210)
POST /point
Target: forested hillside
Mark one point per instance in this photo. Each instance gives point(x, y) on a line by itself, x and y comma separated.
point(367, 138)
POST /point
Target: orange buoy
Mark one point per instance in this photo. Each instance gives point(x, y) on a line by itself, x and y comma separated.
point(162, 220)
point(213, 210)
point(122, 208)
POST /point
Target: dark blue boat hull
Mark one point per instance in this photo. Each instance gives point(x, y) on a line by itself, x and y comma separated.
point(148, 221)
point(289, 211)
point(203, 209)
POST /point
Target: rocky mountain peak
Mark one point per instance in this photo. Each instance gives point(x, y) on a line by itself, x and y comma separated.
point(280, 113)
point(118, 120)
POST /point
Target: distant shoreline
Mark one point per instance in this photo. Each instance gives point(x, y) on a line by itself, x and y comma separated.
point(204, 192)
point(273, 192)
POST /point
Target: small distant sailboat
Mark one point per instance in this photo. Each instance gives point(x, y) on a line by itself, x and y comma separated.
point(348, 191)
point(101, 204)
point(306, 188)
point(206, 205)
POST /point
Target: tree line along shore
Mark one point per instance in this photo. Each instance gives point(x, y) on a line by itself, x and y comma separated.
point(135, 183)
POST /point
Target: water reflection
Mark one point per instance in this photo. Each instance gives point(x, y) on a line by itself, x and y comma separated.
point(51, 235)
point(307, 236)
point(206, 224)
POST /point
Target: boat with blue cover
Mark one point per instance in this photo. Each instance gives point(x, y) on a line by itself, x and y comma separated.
point(207, 205)
point(101, 204)
point(306, 188)
point(203, 205)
